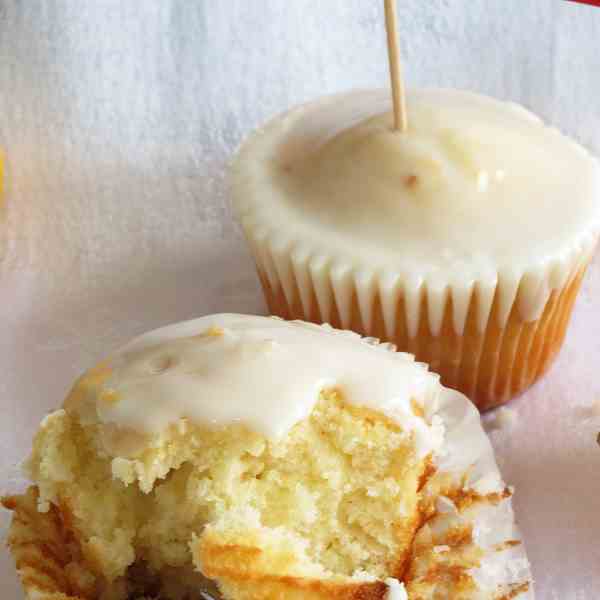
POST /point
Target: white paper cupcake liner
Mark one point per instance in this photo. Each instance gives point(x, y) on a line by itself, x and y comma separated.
point(43, 555)
point(517, 317)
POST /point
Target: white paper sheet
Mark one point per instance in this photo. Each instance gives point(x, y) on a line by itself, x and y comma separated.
point(117, 119)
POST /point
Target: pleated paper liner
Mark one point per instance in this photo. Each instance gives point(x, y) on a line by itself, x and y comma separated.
point(44, 556)
point(51, 566)
point(490, 365)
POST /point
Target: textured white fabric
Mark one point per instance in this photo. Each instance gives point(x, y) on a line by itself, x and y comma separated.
point(117, 119)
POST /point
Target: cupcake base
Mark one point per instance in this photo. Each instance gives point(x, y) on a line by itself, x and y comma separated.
point(51, 565)
point(490, 366)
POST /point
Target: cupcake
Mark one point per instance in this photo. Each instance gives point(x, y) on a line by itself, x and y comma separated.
point(463, 240)
point(252, 458)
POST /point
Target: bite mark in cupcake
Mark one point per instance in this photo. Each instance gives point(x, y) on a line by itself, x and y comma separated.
point(380, 469)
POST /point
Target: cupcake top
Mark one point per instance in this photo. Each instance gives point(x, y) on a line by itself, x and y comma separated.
point(264, 373)
point(475, 187)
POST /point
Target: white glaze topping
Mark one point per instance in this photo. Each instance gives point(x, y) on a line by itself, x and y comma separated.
point(263, 372)
point(477, 190)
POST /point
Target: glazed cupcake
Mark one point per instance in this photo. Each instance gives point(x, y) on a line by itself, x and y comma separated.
point(463, 240)
point(251, 459)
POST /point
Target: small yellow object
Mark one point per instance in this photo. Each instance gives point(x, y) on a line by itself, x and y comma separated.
point(90, 381)
point(96, 375)
point(214, 331)
point(417, 409)
point(1, 178)
point(109, 396)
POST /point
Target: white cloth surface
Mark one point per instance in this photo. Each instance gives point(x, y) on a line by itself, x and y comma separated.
point(117, 119)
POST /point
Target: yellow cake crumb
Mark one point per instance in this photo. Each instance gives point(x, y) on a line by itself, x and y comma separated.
point(336, 497)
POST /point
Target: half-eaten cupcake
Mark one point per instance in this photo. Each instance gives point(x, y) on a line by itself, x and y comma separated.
point(252, 458)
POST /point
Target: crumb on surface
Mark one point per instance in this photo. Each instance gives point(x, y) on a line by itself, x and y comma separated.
point(502, 418)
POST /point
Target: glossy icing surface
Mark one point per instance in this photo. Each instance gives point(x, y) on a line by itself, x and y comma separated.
point(262, 372)
point(473, 179)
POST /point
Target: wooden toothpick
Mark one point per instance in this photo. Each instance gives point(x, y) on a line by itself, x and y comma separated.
point(391, 25)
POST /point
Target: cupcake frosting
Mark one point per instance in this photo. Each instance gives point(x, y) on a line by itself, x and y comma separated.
point(266, 373)
point(475, 190)
point(262, 372)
